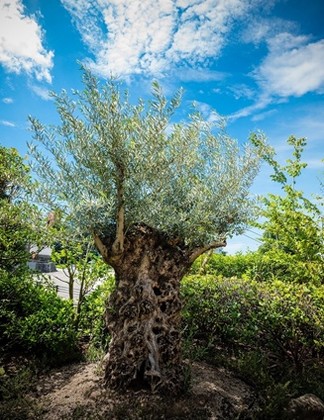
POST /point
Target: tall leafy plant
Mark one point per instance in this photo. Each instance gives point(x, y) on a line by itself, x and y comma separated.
point(293, 241)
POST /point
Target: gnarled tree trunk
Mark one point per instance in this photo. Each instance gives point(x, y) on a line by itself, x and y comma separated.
point(143, 313)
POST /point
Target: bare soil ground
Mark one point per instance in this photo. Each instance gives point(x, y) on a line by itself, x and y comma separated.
point(77, 392)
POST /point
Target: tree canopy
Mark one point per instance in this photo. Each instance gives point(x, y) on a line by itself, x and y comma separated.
point(114, 164)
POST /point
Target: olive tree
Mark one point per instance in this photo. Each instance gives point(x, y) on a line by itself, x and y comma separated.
point(155, 195)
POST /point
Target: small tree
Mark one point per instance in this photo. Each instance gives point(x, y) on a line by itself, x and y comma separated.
point(80, 263)
point(155, 196)
point(292, 224)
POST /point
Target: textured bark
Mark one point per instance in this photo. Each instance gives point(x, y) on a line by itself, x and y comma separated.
point(143, 313)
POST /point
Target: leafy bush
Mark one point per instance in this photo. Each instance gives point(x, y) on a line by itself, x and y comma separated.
point(219, 308)
point(33, 319)
point(277, 264)
point(282, 323)
point(17, 217)
point(92, 327)
point(291, 322)
point(270, 333)
point(225, 265)
point(261, 266)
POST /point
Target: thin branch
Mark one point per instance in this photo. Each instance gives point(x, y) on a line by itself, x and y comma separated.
point(200, 250)
point(63, 281)
point(101, 248)
point(118, 245)
point(83, 276)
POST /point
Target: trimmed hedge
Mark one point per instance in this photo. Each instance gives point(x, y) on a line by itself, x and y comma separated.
point(261, 266)
point(225, 265)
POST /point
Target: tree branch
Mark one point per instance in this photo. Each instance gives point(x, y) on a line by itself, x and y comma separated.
point(118, 245)
point(101, 248)
point(195, 253)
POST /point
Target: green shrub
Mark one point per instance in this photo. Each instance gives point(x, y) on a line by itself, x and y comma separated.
point(34, 320)
point(92, 327)
point(292, 315)
point(224, 265)
point(261, 266)
point(277, 264)
point(283, 321)
point(270, 333)
point(217, 308)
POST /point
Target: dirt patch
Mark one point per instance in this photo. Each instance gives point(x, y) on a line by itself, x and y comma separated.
point(77, 392)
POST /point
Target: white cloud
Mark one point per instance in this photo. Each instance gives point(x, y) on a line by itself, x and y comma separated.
point(151, 36)
point(313, 127)
point(263, 101)
point(41, 92)
point(263, 115)
point(209, 114)
point(7, 100)
point(293, 66)
point(242, 91)
point(203, 108)
point(307, 122)
point(21, 37)
point(200, 75)
point(7, 123)
point(260, 29)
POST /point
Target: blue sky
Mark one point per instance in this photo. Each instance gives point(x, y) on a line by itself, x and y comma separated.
point(259, 63)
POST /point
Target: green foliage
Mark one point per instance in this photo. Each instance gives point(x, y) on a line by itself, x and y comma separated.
point(119, 164)
point(15, 233)
point(293, 246)
point(225, 265)
point(215, 307)
point(277, 264)
point(16, 230)
point(34, 320)
point(76, 255)
point(273, 329)
point(290, 321)
point(261, 266)
point(82, 265)
point(14, 174)
point(92, 327)
point(292, 224)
